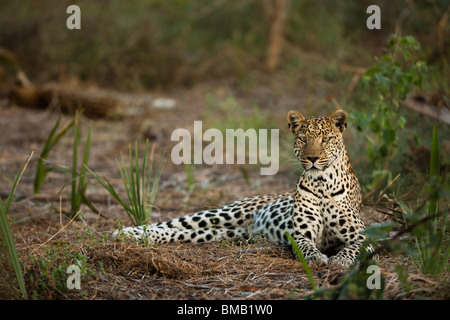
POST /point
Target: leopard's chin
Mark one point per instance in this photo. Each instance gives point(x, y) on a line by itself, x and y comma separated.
point(314, 168)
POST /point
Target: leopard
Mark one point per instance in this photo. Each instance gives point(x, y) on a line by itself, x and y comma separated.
point(321, 214)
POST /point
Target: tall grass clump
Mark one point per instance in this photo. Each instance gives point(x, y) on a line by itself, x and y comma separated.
point(429, 237)
point(53, 138)
point(78, 178)
point(137, 179)
point(6, 231)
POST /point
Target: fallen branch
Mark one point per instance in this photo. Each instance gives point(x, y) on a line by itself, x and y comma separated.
point(94, 103)
point(439, 113)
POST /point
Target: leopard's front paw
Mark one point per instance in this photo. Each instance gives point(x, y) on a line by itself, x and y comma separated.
point(317, 259)
point(340, 261)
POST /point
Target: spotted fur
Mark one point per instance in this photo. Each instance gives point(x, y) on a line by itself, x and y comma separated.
point(321, 214)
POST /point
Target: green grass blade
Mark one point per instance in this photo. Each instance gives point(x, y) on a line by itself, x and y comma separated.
point(189, 168)
point(154, 188)
point(136, 184)
point(155, 183)
point(86, 154)
point(145, 183)
point(12, 252)
point(82, 183)
point(41, 171)
point(108, 187)
point(434, 173)
point(128, 209)
point(61, 133)
point(75, 197)
point(127, 178)
point(302, 259)
point(82, 176)
point(6, 230)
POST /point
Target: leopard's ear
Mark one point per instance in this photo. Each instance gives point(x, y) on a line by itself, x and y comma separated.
point(339, 120)
point(294, 119)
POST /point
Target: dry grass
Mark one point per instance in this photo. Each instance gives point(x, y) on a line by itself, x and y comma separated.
point(126, 270)
point(223, 270)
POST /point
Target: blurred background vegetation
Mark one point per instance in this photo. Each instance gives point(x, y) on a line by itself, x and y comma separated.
point(159, 43)
point(313, 51)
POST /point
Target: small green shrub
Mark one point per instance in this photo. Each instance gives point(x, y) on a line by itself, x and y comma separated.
point(48, 277)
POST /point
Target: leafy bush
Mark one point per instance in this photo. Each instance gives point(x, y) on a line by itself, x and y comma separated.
point(388, 82)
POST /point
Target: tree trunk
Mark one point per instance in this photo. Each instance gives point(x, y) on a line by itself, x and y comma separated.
point(276, 12)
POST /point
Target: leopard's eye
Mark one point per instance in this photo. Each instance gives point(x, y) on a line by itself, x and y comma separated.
point(302, 138)
point(325, 139)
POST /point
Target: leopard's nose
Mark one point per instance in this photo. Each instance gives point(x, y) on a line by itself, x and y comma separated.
point(312, 159)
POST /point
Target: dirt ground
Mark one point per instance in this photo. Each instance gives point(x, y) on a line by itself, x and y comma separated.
point(48, 241)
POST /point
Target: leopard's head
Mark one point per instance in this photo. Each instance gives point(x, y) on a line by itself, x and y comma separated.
point(318, 140)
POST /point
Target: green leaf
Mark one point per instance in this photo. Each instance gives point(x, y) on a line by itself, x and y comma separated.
point(389, 136)
point(75, 197)
point(406, 55)
point(392, 41)
point(370, 73)
point(409, 41)
point(384, 81)
point(379, 231)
